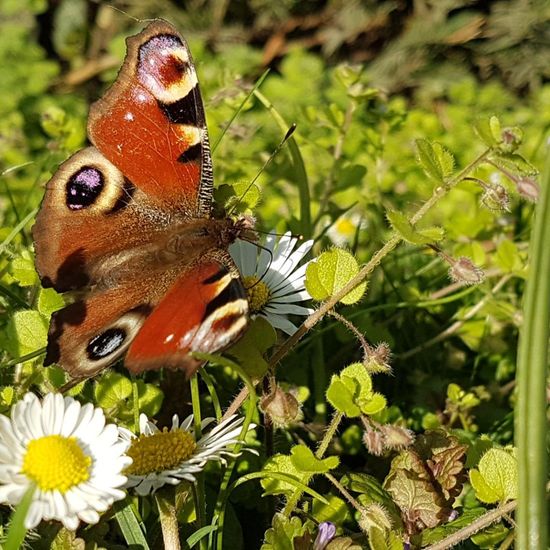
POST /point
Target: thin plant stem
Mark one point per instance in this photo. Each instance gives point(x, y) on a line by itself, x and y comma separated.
point(345, 493)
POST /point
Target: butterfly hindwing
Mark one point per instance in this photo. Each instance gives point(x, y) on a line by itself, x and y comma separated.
point(204, 311)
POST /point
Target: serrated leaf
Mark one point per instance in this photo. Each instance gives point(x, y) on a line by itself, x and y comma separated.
point(428, 160)
point(304, 460)
point(410, 485)
point(330, 272)
point(112, 389)
point(411, 235)
point(514, 163)
point(496, 479)
point(67, 540)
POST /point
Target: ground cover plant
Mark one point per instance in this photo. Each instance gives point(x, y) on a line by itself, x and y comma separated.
point(393, 157)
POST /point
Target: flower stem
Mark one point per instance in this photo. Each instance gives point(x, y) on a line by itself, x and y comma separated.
point(168, 519)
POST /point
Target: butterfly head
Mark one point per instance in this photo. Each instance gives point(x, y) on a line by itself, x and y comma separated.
point(240, 228)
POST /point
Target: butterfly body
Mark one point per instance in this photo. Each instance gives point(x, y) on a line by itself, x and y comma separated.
point(127, 223)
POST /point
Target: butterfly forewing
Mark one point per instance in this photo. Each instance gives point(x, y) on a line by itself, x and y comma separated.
point(151, 123)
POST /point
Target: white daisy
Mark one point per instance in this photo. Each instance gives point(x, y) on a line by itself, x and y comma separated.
point(274, 282)
point(343, 230)
point(169, 456)
point(65, 449)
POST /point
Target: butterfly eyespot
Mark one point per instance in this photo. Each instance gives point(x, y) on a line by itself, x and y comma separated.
point(106, 343)
point(84, 187)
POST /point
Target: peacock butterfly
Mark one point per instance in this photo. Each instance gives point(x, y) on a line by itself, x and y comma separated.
point(128, 223)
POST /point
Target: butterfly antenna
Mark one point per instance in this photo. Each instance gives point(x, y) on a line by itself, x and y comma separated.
point(240, 108)
point(288, 134)
point(260, 279)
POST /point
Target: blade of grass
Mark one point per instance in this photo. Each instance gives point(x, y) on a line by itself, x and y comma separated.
point(531, 422)
point(129, 525)
point(300, 174)
point(17, 531)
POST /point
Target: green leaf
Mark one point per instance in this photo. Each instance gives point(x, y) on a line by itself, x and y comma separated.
point(496, 479)
point(351, 393)
point(436, 160)
point(22, 269)
point(331, 272)
point(514, 163)
point(49, 301)
point(341, 398)
point(283, 531)
point(129, 524)
point(304, 460)
point(491, 537)
point(482, 128)
point(111, 390)
point(431, 536)
point(507, 257)
point(249, 351)
point(335, 511)
point(27, 332)
point(283, 464)
point(410, 234)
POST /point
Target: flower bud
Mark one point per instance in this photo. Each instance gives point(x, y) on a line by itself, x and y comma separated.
point(511, 137)
point(378, 359)
point(374, 441)
point(326, 533)
point(281, 407)
point(396, 438)
point(465, 271)
point(375, 515)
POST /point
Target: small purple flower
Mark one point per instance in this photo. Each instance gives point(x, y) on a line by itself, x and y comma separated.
point(326, 533)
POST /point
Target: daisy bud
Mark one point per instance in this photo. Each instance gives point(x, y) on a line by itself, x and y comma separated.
point(374, 441)
point(281, 407)
point(465, 271)
point(495, 197)
point(396, 438)
point(528, 188)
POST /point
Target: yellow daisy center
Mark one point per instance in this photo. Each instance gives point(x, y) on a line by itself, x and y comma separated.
point(345, 227)
point(55, 462)
point(258, 293)
point(161, 451)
